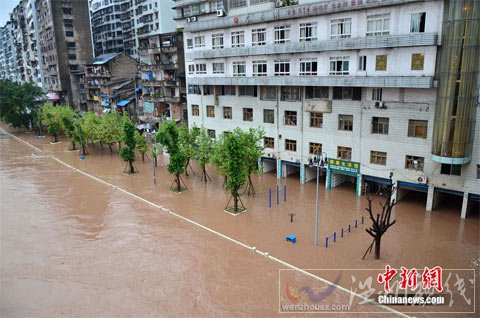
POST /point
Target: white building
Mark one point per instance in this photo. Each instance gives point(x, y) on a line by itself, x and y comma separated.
point(356, 80)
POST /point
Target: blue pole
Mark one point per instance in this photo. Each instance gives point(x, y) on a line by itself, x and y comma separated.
point(278, 190)
point(362, 219)
point(270, 197)
point(349, 228)
point(334, 236)
point(356, 222)
point(341, 233)
point(326, 241)
point(285, 193)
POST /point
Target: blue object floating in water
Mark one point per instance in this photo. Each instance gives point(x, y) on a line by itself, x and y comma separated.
point(82, 157)
point(38, 137)
point(291, 238)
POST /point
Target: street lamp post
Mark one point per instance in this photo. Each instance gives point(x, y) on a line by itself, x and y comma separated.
point(318, 160)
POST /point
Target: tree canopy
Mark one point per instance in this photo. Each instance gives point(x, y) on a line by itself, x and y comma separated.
point(19, 104)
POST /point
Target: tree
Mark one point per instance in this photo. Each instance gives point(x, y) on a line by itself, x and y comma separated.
point(382, 222)
point(203, 151)
point(187, 141)
point(90, 125)
point(128, 152)
point(253, 151)
point(218, 158)
point(111, 130)
point(142, 145)
point(19, 104)
point(52, 117)
point(168, 136)
point(236, 170)
point(69, 124)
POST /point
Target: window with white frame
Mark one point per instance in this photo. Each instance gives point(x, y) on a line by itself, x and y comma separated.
point(191, 69)
point(339, 65)
point(282, 67)
point(201, 68)
point(238, 38)
point(377, 94)
point(362, 63)
point(308, 31)
point(341, 28)
point(199, 41)
point(378, 24)
point(282, 34)
point(217, 41)
point(417, 22)
point(218, 68)
point(238, 3)
point(189, 43)
point(268, 93)
point(259, 68)
point(308, 66)
point(259, 37)
point(290, 93)
point(239, 68)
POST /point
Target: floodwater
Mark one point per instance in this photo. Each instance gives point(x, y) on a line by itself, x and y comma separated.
point(72, 246)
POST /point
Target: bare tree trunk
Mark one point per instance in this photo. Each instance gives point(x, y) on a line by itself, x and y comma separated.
point(377, 247)
point(177, 176)
point(143, 157)
point(55, 138)
point(110, 146)
point(101, 145)
point(235, 203)
point(119, 145)
point(224, 181)
point(250, 188)
point(155, 158)
point(186, 168)
point(73, 145)
point(132, 170)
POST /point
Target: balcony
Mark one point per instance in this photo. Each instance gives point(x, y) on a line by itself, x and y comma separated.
point(151, 83)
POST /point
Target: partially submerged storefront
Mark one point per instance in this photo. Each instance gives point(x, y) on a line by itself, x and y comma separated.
point(340, 171)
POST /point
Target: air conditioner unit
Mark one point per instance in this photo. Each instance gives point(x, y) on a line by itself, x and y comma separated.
point(422, 180)
point(269, 155)
point(220, 13)
point(193, 19)
point(380, 105)
point(278, 3)
point(189, 19)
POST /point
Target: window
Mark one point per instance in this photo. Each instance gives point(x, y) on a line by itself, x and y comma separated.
point(67, 10)
point(316, 92)
point(282, 34)
point(218, 68)
point(201, 68)
point(414, 163)
point(308, 66)
point(378, 24)
point(268, 93)
point(239, 68)
point(290, 145)
point(259, 37)
point(452, 170)
point(238, 3)
point(259, 68)
point(68, 23)
point(377, 94)
point(290, 118)
point(194, 89)
point(247, 91)
point(210, 111)
point(417, 61)
point(269, 116)
point(345, 122)
point(269, 142)
point(199, 41)
point(339, 65)
point(217, 41)
point(362, 63)
point(211, 133)
point(308, 32)
point(227, 112)
point(189, 44)
point(417, 22)
point(380, 125)
point(71, 45)
point(195, 110)
point(344, 153)
point(248, 114)
point(417, 128)
point(228, 90)
point(381, 63)
point(238, 38)
point(316, 120)
point(69, 33)
point(72, 56)
point(340, 28)
point(352, 93)
point(314, 147)
point(208, 89)
point(290, 93)
point(282, 67)
point(378, 157)
point(191, 69)
point(478, 171)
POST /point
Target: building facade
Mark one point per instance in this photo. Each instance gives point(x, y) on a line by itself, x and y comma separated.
point(357, 81)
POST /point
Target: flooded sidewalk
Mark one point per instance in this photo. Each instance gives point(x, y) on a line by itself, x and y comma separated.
point(71, 235)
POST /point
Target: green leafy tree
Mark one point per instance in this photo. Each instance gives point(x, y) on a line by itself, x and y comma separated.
point(203, 151)
point(19, 104)
point(235, 167)
point(52, 117)
point(168, 136)
point(156, 151)
point(218, 158)
point(187, 141)
point(90, 125)
point(128, 152)
point(69, 124)
point(111, 130)
point(142, 145)
point(253, 151)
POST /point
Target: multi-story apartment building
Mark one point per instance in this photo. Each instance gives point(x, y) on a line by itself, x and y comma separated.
point(377, 86)
point(33, 54)
point(65, 45)
point(9, 65)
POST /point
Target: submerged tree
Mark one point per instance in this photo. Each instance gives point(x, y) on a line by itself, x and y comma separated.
point(52, 117)
point(19, 103)
point(253, 151)
point(382, 222)
point(91, 125)
point(142, 145)
point(218, 158)
point(111, 129)
point(69, 124)
point(168, 136)
point(128, 152)
point(203, 150)
point(187, 141)
point(236, 170)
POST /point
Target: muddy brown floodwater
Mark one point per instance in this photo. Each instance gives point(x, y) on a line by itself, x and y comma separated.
point(73, 246)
